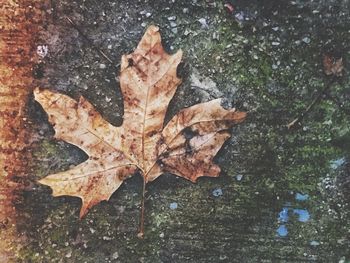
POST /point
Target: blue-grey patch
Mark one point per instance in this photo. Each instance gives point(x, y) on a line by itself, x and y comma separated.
point(283, 215)
point(282, 231)
point(301, 197)
point(303, 214)
point(217, 192)
point(314, 243)
point(337, 163)
point(173, 206)
point(239, 177)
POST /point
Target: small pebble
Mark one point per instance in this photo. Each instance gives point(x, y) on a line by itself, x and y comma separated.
point(102, 66)
point(306, 40)
point(42, 50)
point(275, 43)
point(173, 206)
point(239, 17)
point(115, 255)
point(203, 22)
point(314, 243)
point(172, 18)
point(217, 192)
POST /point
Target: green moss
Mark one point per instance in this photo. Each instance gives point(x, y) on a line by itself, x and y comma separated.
point(45, 154)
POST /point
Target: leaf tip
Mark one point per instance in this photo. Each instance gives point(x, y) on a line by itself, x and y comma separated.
point(87, 205)
point(179, 53)
point(36, 93)
point(153, 29)
point(82, 213)
point(43, 181)
point(46, 181)
point(237, 116)
point(241, 115)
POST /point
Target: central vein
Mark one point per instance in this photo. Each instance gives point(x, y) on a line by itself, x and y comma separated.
point(143, 129)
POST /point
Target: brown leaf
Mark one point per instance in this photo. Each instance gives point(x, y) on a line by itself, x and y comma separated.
point(186, 146)
point(333, 66)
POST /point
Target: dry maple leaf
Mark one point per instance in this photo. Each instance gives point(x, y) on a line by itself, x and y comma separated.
point(185, 146)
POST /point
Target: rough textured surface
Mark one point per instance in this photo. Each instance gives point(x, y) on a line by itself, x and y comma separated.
point(257, 211)
point(186, 145)
point(19, 25)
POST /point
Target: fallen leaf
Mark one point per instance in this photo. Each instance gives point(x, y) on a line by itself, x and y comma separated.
point(186, 145)
point(333, 66)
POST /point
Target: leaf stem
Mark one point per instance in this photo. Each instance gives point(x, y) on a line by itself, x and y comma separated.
point(141, 233)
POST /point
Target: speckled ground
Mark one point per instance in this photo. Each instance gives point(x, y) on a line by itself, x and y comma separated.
point(283, 195)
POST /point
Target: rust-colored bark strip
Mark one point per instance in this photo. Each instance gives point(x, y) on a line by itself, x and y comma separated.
point(20, 22)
